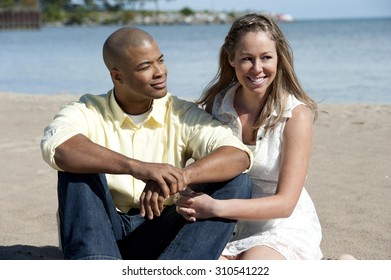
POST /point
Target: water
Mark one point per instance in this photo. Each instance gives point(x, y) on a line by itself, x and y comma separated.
point(344, 61)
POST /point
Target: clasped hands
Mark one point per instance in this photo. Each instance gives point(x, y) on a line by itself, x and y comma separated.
point(165, 180)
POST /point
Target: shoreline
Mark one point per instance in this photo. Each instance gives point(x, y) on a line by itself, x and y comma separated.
point(349, 178)
point(66, 96)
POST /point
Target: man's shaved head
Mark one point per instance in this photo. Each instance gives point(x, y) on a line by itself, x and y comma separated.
point(116, 45)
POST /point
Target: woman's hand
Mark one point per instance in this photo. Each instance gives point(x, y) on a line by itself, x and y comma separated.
point(193, 206)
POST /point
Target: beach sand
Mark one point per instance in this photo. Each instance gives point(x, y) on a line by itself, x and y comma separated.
point(349, 179)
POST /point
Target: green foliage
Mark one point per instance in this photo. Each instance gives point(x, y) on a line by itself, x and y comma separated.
point(7, 3)
point(78, 15)
point(53, 13)
point(20, 5)
point(58, 3)
point(127, 16)
point(187, 11)
point(98, 12)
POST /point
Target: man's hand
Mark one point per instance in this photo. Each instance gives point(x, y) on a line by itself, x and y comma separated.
point(162, 180)
point(152, 200)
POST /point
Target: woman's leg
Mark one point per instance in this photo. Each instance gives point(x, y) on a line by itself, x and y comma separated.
point(261, 253)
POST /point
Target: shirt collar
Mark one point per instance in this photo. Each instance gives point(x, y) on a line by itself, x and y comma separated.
point(227, 104)
point(119, 115)
point(157, 113)
point(159, 109)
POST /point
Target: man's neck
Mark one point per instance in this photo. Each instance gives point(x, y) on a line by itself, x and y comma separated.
point(134, 108)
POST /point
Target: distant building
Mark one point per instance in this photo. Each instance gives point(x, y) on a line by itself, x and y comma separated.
point(25, 14)
point(284, 17)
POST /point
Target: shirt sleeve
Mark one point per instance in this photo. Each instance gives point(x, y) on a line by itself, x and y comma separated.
point(207, 134)
point(68, 122)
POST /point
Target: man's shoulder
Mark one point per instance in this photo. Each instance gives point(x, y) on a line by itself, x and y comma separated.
point(182, 105)
point(94, 99)
point(190, 113)
point(95, 103)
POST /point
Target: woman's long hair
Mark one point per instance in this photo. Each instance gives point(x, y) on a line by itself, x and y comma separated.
point(285, 82)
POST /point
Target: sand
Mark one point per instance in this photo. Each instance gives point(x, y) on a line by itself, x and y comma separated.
point(349, 179)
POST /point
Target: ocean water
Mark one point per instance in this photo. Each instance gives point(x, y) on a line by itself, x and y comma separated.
point(337, 61)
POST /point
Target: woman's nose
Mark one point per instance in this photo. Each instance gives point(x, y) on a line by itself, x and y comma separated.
point(257, 66)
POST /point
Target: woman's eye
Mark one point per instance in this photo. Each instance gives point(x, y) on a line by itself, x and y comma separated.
point(246, 59)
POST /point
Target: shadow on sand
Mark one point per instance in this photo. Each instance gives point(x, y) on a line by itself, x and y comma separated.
point(27, 252)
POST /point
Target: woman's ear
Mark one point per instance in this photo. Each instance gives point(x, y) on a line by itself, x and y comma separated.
point(231, 62)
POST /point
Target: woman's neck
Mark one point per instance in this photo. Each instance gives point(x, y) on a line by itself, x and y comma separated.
point(248, 108)
point(248, 103)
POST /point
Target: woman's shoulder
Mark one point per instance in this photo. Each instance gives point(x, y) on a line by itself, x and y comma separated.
point(293, 102)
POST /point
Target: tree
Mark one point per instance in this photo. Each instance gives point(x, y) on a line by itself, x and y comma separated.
point(19, 4)
point(7, 3)
point(141, 3)
point(58, 3)
point(187, 11)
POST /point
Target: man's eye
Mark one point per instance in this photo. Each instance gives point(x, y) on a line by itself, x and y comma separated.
point(144, 67)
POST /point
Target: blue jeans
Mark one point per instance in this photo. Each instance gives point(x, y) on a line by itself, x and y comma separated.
point(91, 227)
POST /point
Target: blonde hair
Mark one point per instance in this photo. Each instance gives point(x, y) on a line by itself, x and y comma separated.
point(285, 82)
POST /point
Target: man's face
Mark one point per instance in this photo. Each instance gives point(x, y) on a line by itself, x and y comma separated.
point(144, 74)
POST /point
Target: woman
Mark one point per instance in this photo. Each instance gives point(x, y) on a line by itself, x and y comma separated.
point(256, 92)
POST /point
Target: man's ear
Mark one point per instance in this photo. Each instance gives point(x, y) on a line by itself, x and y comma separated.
point(116, 75)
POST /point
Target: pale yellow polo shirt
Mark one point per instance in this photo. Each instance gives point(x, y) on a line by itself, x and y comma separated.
point(174, 131)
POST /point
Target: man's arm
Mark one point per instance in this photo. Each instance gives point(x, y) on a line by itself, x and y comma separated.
point(218, 155)
point(222, 164)
point(80, 155)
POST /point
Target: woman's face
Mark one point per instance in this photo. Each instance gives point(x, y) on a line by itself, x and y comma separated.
point(255, 62)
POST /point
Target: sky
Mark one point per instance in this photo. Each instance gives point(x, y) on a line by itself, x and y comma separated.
point(299, 9)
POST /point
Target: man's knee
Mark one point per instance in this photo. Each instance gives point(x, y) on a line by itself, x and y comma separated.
point(239, 187)
point(65, 178)
point(242, 186)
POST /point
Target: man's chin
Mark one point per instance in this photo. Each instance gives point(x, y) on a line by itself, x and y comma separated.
point(161, 93)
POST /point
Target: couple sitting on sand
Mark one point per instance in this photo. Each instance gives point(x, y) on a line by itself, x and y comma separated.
point(125, 187)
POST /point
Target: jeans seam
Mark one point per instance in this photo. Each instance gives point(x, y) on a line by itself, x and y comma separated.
point(98, 257)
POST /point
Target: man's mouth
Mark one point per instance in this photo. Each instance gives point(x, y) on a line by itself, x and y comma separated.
point(159, 85)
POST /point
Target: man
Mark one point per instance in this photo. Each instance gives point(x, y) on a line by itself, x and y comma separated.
point(122, 156)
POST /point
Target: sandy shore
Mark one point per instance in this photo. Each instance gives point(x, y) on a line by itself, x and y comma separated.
point(349, 179)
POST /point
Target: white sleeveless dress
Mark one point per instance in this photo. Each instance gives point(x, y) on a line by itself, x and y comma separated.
point(296, 237)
